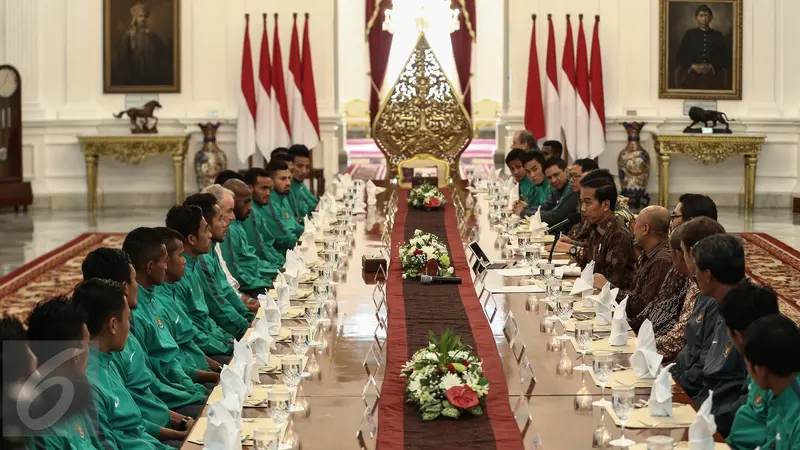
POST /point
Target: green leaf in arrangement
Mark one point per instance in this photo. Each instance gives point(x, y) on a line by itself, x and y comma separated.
point(432, 407)
point(430, 415)
point(476, 410)
point(451, 412)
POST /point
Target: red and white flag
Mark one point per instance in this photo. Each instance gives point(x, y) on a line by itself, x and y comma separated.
point(567, 91)
point(310, 134)
point(264, 101)
point(597, 112)
point(294, 89)
point(534, 114)
point(280, 122)
point(246, 119)
point(582, 85)
point(552, 107)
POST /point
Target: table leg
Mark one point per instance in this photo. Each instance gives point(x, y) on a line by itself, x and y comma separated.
point(663, 179)
point(91, 182)
point(177, 168)
point(750, 163)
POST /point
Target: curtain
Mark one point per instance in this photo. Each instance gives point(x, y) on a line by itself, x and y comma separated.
point(462, 47)
point(380, 44)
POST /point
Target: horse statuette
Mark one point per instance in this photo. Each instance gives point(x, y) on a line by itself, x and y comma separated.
point(140, 118)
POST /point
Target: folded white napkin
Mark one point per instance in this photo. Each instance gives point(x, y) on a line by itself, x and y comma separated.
point(308, 251)
point(233, 382)
point(359, 208)
point(243, 355)
point(293, 268)
point(619, 325)
point(645, 359)
point(222, 432)
point(660, 402)
point(371, 218)
point(537, 228)
point(346, 179)
point(605, 303)
point(309, 227)
point(262, 342)
point(372, 192)
point(333, 209)
point(701, 432)
point(513, 192)
point(272, 314)
point(585, 282)
point(283, 291)
point(571, 270)
point(495, 174)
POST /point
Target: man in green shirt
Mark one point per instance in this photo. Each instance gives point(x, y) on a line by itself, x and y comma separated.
point(150, 321)
point(539, 187)
point(258, 234)
point(165, 408)
point(300, 197)
point(280, 218)
point(56, 327)
point(120, 419)
point(255, 275)
point(772, 353)
point(514, 161)
point(224, 305)
point(180, 325)
point(739, 308)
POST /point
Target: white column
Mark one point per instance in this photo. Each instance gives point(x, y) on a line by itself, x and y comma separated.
point(22, 51)
point(83, 60)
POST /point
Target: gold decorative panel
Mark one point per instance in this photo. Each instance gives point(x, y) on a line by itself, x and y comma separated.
point(422, 114)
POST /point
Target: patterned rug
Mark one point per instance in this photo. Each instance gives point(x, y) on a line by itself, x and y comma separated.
point(769, 262)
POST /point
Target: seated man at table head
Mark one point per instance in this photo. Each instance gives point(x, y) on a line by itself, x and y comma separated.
point(719, 267)
point(280, 216)
point(651, 236)
point(524, 140)
point(537, 188)
point(562, 201)
point(772, 353)
point(59, 340)
point(109, 324)
point(301, 198)
point(205, 310)
point(690, 206)
point(552, 149)
point(226, 175)
point(225, 305)
point(744, 304)
point(258, 232)
point(610, 245)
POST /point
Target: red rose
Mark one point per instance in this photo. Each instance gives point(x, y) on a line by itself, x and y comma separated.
point(431, 267)
point(465, 363)
point(433, 202)
point(451, 368)
point(462, 396)
point(418, 252)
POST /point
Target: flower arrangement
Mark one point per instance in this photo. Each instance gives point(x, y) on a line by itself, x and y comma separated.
point(426, 196)
point(425, 254)
point(446, 379)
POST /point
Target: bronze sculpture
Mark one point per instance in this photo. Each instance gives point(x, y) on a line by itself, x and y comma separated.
point(140, 118)
point(700, 115)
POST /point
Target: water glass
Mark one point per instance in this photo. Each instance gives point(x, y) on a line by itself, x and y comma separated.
point(300, 340)
point(292, 371)
point(660, 443)
point(312, 315)
point(554, 287)
point(266, 438)
point(583, 337)
point(534, 254)
point(623, 398)
point(278, 400)
point(547, 271)
point(564, 311)
point(603, 366)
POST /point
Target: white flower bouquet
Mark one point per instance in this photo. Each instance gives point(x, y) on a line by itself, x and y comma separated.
point(425, 254)
point(446, 379)
point(426, 196)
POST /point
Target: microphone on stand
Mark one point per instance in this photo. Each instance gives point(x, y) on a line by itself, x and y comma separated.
point(427, 279)
point(572, 219)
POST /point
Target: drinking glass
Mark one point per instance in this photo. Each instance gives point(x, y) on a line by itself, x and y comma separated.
point(603, 365)
point(554, 287)
point(565, 306)
point(266, 438)
point(583, 337)
point(660, 443)
point(291, 369)
point(301, 340)
point(547, 271)
point(623, 398)
point(312, 314)
point(278, 400)
point(534, 254)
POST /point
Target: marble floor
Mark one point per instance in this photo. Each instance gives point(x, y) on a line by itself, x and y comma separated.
point(24, 237)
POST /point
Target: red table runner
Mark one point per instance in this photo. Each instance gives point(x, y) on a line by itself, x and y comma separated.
point(415, 309)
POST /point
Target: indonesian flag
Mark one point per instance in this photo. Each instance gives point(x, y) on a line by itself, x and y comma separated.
point(310, 134)
point(295, 87)
point(597, 113)
point(567, 91)
point(245, 122)
point(582, 79)
point(280, 118)
point(551, 103)
point(266, 105)
point(534, 114)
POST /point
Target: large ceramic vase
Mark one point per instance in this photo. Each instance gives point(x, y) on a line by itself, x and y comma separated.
point(634, 167)
point(210, 160)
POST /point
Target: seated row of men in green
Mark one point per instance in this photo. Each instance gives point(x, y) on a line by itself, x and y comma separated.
point(151, 325)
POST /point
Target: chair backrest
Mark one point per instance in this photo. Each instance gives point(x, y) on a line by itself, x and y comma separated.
point(424, 160)
point(486, 109)
point(356, 109)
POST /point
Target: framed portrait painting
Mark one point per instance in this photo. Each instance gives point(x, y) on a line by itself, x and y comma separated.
point(700, 53)
point(141, 46)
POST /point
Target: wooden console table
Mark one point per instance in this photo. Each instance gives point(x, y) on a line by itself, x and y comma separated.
point(709, 149)
point(133, 149)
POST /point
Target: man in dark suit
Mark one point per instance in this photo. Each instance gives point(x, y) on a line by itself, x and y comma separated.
point(703, 59)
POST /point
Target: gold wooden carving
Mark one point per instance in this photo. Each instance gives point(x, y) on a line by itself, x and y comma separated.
point(422, 114)
point(132, 150)
point(709, 150)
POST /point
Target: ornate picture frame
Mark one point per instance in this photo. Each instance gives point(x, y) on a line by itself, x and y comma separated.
point(141, 46)
point(700, 51)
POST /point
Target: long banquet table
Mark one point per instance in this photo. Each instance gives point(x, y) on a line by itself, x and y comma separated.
point(519, 413)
